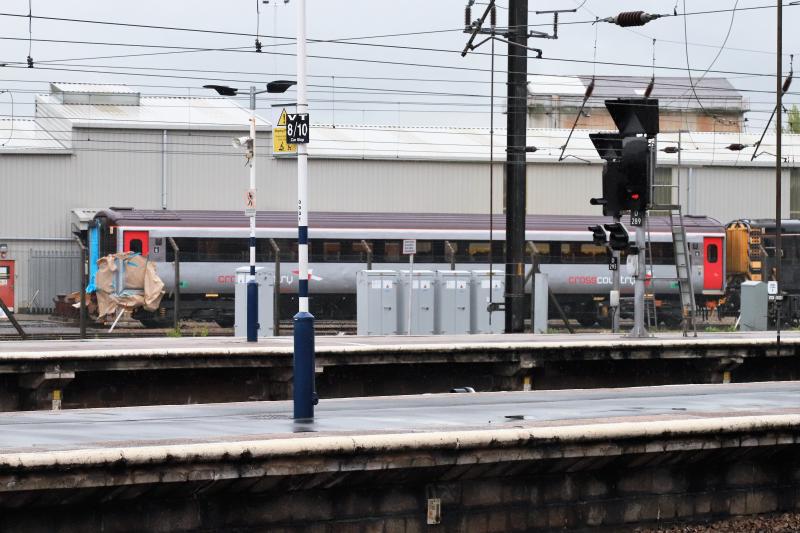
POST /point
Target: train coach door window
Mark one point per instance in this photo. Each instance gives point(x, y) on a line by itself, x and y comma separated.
point(136, 241)
point(712, 267)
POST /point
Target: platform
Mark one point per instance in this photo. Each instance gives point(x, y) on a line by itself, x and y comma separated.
point(146, 371)
point(539, 459)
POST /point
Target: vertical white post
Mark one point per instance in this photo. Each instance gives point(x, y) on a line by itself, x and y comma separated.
point(410, 289)
point(252, 284)
point(164, 169)
point(304, 394)
point(253, 190)
point(302, 160)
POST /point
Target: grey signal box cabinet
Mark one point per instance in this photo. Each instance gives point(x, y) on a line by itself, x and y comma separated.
point(452, 302)
point(376, 302)
point(266, 287)
point(753, 312)
point(486, 289)
point(422, 302)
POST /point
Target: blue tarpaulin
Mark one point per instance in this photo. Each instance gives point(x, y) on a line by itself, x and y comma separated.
point(94, 255)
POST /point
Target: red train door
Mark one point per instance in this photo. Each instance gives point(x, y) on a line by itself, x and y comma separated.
point(712, 267)
point(137, 241)
point(7, 283)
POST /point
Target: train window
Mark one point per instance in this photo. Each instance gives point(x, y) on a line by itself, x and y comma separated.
point(663, 253)
point(360, 251)
point(478, 252)
point(424, 251)
point(289, 250)
point(567, 252)
point(136, 246)
point(331, 251)
point(712, 254)
point(391, 251)
point(544, 252)
point(590, 253)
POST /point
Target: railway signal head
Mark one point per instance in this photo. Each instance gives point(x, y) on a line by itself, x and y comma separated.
point(599, 237)
point(627, 154)
point(618, 238)
point(635, 165)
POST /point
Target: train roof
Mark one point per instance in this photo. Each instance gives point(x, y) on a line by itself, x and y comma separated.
point(419, 221)
point(768, 224)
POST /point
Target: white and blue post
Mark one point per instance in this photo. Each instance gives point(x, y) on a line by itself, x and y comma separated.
point(304, 395)
point(252, 284)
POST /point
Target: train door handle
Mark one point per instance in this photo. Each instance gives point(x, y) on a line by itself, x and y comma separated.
point(387, 307)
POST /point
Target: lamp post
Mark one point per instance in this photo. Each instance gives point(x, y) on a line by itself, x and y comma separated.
point(249, 145)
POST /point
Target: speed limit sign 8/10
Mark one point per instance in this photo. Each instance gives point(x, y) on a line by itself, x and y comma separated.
point(297, 128)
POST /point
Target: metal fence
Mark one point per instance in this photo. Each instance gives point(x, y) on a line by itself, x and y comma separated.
point(51, 273)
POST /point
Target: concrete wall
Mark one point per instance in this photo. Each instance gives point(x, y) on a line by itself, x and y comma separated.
point(613, 485)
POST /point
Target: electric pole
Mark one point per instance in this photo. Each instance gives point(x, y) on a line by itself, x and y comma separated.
point(516, 140)
point(778, 172)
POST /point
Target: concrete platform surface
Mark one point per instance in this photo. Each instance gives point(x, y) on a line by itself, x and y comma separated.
point(98, 429)
point(386, 344)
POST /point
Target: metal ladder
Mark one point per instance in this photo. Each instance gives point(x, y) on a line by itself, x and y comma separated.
point(650, 312)
point(683, 268)
point(683, 265)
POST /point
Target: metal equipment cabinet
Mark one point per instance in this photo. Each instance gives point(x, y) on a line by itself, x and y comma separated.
point(754, 306)
point(266, 287)
point(486, 289)
point(452, 302)
point(422, 302)
point(376, 302)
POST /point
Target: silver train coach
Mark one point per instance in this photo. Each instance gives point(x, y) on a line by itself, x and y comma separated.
point(214, 243)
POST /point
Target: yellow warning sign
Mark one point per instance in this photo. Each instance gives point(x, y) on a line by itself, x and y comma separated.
point(279, 144)
point(282, 120)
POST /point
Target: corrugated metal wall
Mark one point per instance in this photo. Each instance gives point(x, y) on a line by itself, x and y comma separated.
point(50, 273)
point(730, 193)
point(564, 189)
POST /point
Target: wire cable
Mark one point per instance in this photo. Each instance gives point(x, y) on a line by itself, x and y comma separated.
point(716, 57)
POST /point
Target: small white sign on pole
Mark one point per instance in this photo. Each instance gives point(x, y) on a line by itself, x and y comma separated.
point(250, 203)
point(772, 288)
point(409, 249)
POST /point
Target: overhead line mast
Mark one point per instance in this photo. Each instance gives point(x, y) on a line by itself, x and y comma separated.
point(516, 140)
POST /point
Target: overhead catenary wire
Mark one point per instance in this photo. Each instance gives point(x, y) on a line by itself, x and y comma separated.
point(785, 88)
point(586, 95)
point(716, 57)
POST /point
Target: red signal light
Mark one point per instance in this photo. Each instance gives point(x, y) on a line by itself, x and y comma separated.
point(634, 196)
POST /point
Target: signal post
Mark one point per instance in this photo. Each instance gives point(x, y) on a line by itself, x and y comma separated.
point(630, 160)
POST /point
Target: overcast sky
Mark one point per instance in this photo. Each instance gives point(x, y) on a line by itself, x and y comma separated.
point(749, 51)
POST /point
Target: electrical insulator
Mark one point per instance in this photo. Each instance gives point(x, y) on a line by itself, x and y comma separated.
point(493, 16)
point(787, 83)
point(30, 62)
point(632, 18)
point(736, 147)
point(670, 150)
point(467, 17)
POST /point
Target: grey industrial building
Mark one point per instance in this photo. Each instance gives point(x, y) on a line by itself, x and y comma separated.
point(95, 146)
